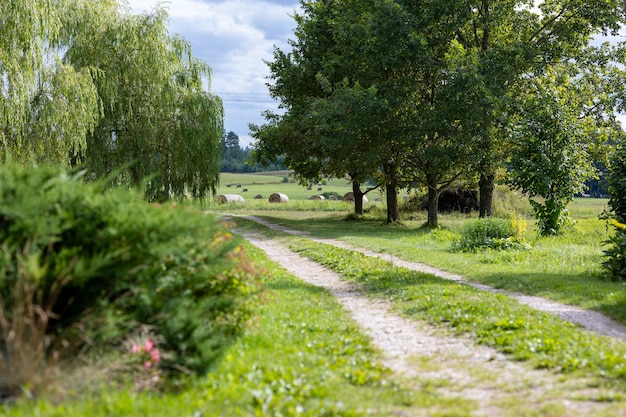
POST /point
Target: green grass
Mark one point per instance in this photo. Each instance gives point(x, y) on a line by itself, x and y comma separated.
point(565, 268)
point(302, 356)
point(540, 339)
point(268, 184)
point(492, 319)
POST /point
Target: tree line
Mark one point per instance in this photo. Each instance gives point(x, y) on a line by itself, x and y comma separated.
point(238, 159)
point(430, 93)
point(89, 84)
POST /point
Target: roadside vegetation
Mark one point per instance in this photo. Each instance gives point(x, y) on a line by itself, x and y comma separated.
point(566, 267)
point(301, 356)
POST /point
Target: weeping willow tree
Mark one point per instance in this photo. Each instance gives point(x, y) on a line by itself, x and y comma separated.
point(86, 82)
point(159, 122)
point(47, 107)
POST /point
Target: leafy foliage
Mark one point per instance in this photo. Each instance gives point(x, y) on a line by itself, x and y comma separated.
point(159, 121)
point(617, 183)
point(615, 255)
point(492, 233)
point(550, 157)
point(238, 159)
point(87, 267)
point(87, 82)
point(47, 107)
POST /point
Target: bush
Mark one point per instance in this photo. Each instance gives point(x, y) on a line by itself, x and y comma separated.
point(506, 200)
point(615, 256)
point(492, 233)
point(80, 266)
point(617, 183)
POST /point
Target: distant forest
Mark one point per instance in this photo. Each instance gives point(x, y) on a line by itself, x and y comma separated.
point(237, 159)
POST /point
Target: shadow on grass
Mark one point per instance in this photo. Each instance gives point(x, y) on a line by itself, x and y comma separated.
point(335, 227)
point(289, 285)
point(583, 289)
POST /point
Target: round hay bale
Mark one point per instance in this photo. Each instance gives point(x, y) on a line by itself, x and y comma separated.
point(278, 198)
point(349, 198)
point(317, 197)
point(229, 199)
point(258, 197)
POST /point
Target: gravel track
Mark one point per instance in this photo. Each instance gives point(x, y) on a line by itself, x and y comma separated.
point(425, 357)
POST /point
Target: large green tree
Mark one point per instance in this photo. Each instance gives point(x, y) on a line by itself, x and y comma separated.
point(88, 82)
point(159, 121)
point(47, 107)
point(328, 128)
point(509, 41)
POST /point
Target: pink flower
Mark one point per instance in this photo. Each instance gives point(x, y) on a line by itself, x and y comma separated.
point(135, 349)
point(154, 354)
point(149, 345)
point(147, 364)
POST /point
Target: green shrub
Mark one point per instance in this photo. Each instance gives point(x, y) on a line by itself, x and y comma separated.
point(81, 266)
point(506, 200)
point(615, 255)
point(617, 183)
point(492, 233)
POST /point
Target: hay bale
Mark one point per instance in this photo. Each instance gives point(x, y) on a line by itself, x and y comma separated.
point(245, 190)
point(229, 199)
point(258, 197)
point(349, 198)
point(319, 188)
point(278, 198)
point(317, 197)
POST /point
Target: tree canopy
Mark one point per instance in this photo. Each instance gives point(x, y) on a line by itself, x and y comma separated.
point(89, 83)
point(421, 93)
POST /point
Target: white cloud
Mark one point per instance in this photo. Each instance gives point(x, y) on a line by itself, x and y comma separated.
point(234, 37)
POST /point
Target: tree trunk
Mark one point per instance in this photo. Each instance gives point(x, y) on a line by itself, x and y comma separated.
point(391, 188)
point(487, 185)
point(433, 202)
point(358, 198)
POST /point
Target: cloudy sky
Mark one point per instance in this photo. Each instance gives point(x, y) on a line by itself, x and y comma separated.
point(233, 37)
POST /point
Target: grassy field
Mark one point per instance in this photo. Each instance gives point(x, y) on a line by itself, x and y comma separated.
point(274, 182)
point(303, 356)
point(565, 268)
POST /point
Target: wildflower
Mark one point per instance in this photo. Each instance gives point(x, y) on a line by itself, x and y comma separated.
point(150, 355)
